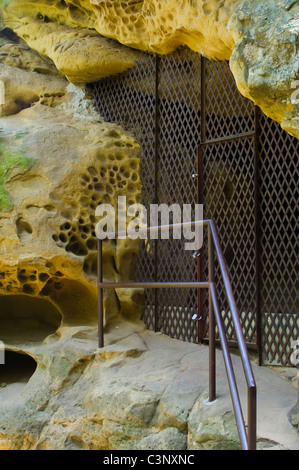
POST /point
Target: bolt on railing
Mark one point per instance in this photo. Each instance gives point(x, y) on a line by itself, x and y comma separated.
point(247, 438)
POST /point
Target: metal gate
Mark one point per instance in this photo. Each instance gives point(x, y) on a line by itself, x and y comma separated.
point(202, 141)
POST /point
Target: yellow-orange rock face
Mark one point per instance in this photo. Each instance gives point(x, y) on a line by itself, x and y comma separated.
point(164, 26)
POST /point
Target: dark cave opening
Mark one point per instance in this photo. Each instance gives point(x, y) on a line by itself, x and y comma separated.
point(25, 319)
point(17, 367)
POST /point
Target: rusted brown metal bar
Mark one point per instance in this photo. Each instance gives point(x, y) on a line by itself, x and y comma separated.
point(154, 285)
point(100, 295)
point(251, 385)
point(230, 372)
point(212, 331)
point(200, 267)
point(229, 138)
point(257, 217)
point(247, 439)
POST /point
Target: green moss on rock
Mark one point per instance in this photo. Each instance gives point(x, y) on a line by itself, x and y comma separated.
point(10, 161)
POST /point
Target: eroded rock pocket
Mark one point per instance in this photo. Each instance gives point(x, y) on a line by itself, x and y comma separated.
point(17, 368)
point(25, 319)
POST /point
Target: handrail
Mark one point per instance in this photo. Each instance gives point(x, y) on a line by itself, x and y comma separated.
point(247, 438)
point(250, 442)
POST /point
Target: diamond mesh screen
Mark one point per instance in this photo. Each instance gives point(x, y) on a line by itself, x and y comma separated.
point(160, 101)
point(129, 99)
point(178, 137)
point(227, 111)
point(229, 200)
point(228, 189)
point(279, 176)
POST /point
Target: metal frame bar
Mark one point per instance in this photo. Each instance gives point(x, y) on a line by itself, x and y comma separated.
point(150, 70)
point(247, 439)
point(257, 217)
point(231, 138)
point(156, 163)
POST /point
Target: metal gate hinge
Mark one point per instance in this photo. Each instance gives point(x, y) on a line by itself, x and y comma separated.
point(196, 317)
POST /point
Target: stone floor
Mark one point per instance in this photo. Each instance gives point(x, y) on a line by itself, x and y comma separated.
point(277, 388)
point(143, 390)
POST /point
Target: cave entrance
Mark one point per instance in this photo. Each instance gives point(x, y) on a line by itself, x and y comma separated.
point(25, 319)
point(15, 373)
point(17, 368)
point(202, 141)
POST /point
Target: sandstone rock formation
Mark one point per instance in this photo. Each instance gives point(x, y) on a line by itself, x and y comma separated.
point(143, 391)
point(25, 88)
point(265, 59)
point(164, 26)
point(58, 162)
point(81, 55)
point(261, 39)
point(16, 53)
point(75, 13)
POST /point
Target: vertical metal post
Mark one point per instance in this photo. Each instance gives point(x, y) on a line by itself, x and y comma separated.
point(203, 103)
point(100, 295)
point(157, 67)
point(252, 418)
point(257, 239)
point(200, 184)
point(200, 312)
point(212, 324)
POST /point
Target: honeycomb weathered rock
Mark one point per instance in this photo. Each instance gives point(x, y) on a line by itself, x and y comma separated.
point(261, 39)
point(162, 27)
point(48, 243)
point(83, 56)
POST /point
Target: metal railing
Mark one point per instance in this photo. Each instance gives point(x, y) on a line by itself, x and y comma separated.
point(247, 437)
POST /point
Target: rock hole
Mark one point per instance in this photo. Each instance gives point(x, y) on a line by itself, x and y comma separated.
point(113, 133)
point(25, 319)
point(15, 373)
point(65, 226)
point(92, 171)
point(22, 275)
point(21, 104)
point(98, 187)
point(62, 238)
point(24, 229)
point(28, 289)
point(77, 248)
point(17, 368)
point(43, 277)
point(49, 208)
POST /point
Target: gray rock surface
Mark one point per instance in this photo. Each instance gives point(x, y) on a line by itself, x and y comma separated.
point(265, 60)
point(143, 390)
